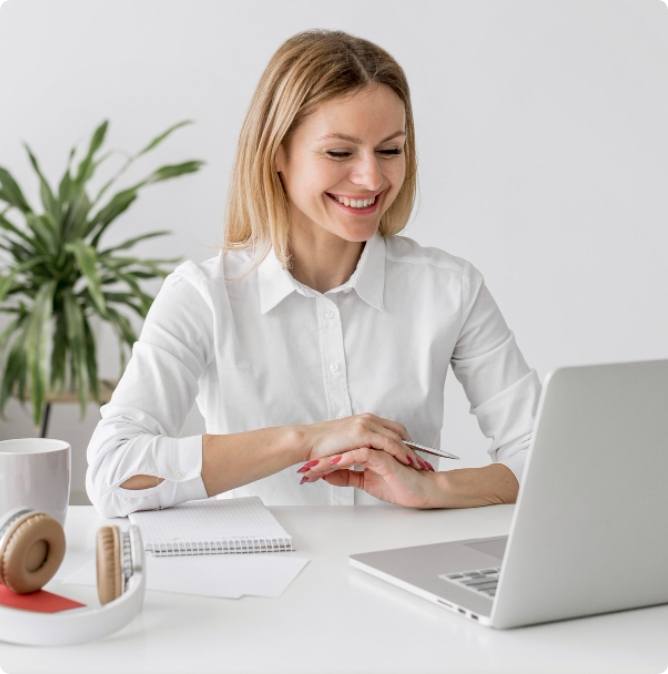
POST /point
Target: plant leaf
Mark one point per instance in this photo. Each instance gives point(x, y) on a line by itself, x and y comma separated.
point(124, 326)
point(50, 203)
point(75, 337)
point(11, 192)
point(172, 171)
point(152, 144)
point(131, 242)
point(126, 299)
point(86, 166)
point(118, 204)
point(159, 138)
point(8, 332)
point(36, 347)
point(75, 224)
point(13, 373)
point(65, 185)
point(59, 353)
point(18, 251)
point(91, 360)
point(86, 258)
point(10, 227)
point(45, 238)
point(6, 283)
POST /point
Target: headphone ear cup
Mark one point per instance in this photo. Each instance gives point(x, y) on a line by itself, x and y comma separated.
point(33, 549)
point(109, 564)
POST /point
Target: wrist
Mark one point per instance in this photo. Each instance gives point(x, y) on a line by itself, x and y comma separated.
point(470, 487)
point(439, 492)
point(297, 442)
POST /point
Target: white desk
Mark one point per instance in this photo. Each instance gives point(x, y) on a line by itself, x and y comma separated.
point(337, 619)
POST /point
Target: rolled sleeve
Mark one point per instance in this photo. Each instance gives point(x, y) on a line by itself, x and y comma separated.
point(138, 431)
point(502, 389)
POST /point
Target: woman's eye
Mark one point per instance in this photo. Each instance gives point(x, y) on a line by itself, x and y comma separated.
point(343, 155)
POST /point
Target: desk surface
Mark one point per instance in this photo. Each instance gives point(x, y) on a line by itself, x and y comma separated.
point(337, 619)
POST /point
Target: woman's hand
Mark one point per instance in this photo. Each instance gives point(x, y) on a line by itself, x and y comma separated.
point(383, 477)
point(386, 479)
point(327, 438)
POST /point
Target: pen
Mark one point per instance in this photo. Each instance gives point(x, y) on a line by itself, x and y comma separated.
point(429, 450)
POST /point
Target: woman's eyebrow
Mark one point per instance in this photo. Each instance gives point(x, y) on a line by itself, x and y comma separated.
point(352, 139)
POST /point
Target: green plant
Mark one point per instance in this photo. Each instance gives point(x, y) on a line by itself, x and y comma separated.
point(55, 275)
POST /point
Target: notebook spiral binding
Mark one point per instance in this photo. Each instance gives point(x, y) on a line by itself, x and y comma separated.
point(230, 546)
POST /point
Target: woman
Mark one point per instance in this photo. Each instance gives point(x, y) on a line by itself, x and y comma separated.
point(317, 335)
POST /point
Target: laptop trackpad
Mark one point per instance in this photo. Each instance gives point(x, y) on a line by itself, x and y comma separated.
point(494, 547)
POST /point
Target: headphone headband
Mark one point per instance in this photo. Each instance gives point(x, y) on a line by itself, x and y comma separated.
point(81, 624)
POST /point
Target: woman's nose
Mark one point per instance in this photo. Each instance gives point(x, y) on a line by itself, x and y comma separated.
point(367, 174)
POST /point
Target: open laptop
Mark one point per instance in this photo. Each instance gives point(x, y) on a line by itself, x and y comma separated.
point(589, 531)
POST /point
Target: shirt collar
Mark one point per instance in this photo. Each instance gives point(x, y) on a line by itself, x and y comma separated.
point(368, 280)
point(274, 282)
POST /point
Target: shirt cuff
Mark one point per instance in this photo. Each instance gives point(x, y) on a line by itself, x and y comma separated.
point(179, 492)
point(184, 481)
point(516, 463)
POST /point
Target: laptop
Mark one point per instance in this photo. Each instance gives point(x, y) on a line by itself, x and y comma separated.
point(588, 533)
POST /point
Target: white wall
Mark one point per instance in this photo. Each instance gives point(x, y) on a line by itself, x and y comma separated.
point(541, 136)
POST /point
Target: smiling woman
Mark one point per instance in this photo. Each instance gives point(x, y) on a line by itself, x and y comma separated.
point(317, 334)
point(339, 185)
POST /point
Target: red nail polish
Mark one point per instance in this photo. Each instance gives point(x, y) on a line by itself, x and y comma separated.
point(308, 465)
point(424, 464)
point(304, 479)
point(408, 458)
point(335, 460)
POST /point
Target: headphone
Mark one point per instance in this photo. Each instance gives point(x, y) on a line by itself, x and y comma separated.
point(32, 547)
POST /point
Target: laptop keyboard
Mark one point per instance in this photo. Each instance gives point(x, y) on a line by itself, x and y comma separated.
point(480, 580)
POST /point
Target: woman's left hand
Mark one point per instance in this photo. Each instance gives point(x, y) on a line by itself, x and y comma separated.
point(383, 477)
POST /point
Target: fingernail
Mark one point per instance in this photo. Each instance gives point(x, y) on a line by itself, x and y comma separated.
point(308, 466)
point(409, 459)
point(304, 479)
point(424, 464)
point(431, 468)
point(335, 459)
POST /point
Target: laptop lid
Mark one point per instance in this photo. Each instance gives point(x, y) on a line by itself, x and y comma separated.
point(589, 532)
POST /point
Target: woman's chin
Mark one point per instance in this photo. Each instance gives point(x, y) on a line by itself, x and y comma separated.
point(356, 233)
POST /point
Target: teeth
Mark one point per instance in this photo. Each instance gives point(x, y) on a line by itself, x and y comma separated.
point(355, 203)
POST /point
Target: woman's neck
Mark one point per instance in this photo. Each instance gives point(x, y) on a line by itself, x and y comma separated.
point(321, 260)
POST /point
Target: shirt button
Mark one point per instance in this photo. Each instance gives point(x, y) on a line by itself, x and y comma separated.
point(335, 367)
point(329, 314)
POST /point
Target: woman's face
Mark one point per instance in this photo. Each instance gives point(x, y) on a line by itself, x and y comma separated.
point(320, 168)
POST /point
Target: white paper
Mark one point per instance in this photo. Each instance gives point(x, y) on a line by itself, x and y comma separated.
point(231, 576)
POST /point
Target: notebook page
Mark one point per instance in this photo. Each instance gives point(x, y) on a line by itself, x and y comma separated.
point(206, 522)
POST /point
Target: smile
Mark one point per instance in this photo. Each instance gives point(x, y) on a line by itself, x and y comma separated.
point(356, 206)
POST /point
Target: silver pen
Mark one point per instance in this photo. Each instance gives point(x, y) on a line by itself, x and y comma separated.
point(429, 450)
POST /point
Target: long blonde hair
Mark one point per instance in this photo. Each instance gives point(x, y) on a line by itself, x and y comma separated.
point(307, 69)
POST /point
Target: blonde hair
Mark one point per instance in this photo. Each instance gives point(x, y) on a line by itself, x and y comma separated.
point(307, 69)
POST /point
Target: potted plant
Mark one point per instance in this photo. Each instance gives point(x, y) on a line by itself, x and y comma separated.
point(56, 274)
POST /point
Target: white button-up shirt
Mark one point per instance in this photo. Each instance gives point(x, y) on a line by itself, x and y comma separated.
point(262, 349)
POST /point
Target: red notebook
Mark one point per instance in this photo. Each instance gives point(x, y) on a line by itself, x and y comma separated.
point(40, 600)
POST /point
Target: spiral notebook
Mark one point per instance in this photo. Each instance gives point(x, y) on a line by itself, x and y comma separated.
point(216, 526)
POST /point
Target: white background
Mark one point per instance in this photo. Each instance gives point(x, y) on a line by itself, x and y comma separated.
point(541, 136)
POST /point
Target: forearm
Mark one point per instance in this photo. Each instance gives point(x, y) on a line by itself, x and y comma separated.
point(235, 459)
point(230, 461)
point(470, 487)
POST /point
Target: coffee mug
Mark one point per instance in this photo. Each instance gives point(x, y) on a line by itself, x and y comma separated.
point(35, 472)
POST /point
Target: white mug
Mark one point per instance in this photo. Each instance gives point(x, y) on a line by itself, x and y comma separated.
point(35, 472)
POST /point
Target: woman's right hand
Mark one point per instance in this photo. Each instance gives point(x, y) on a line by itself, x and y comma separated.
point(336, 436)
